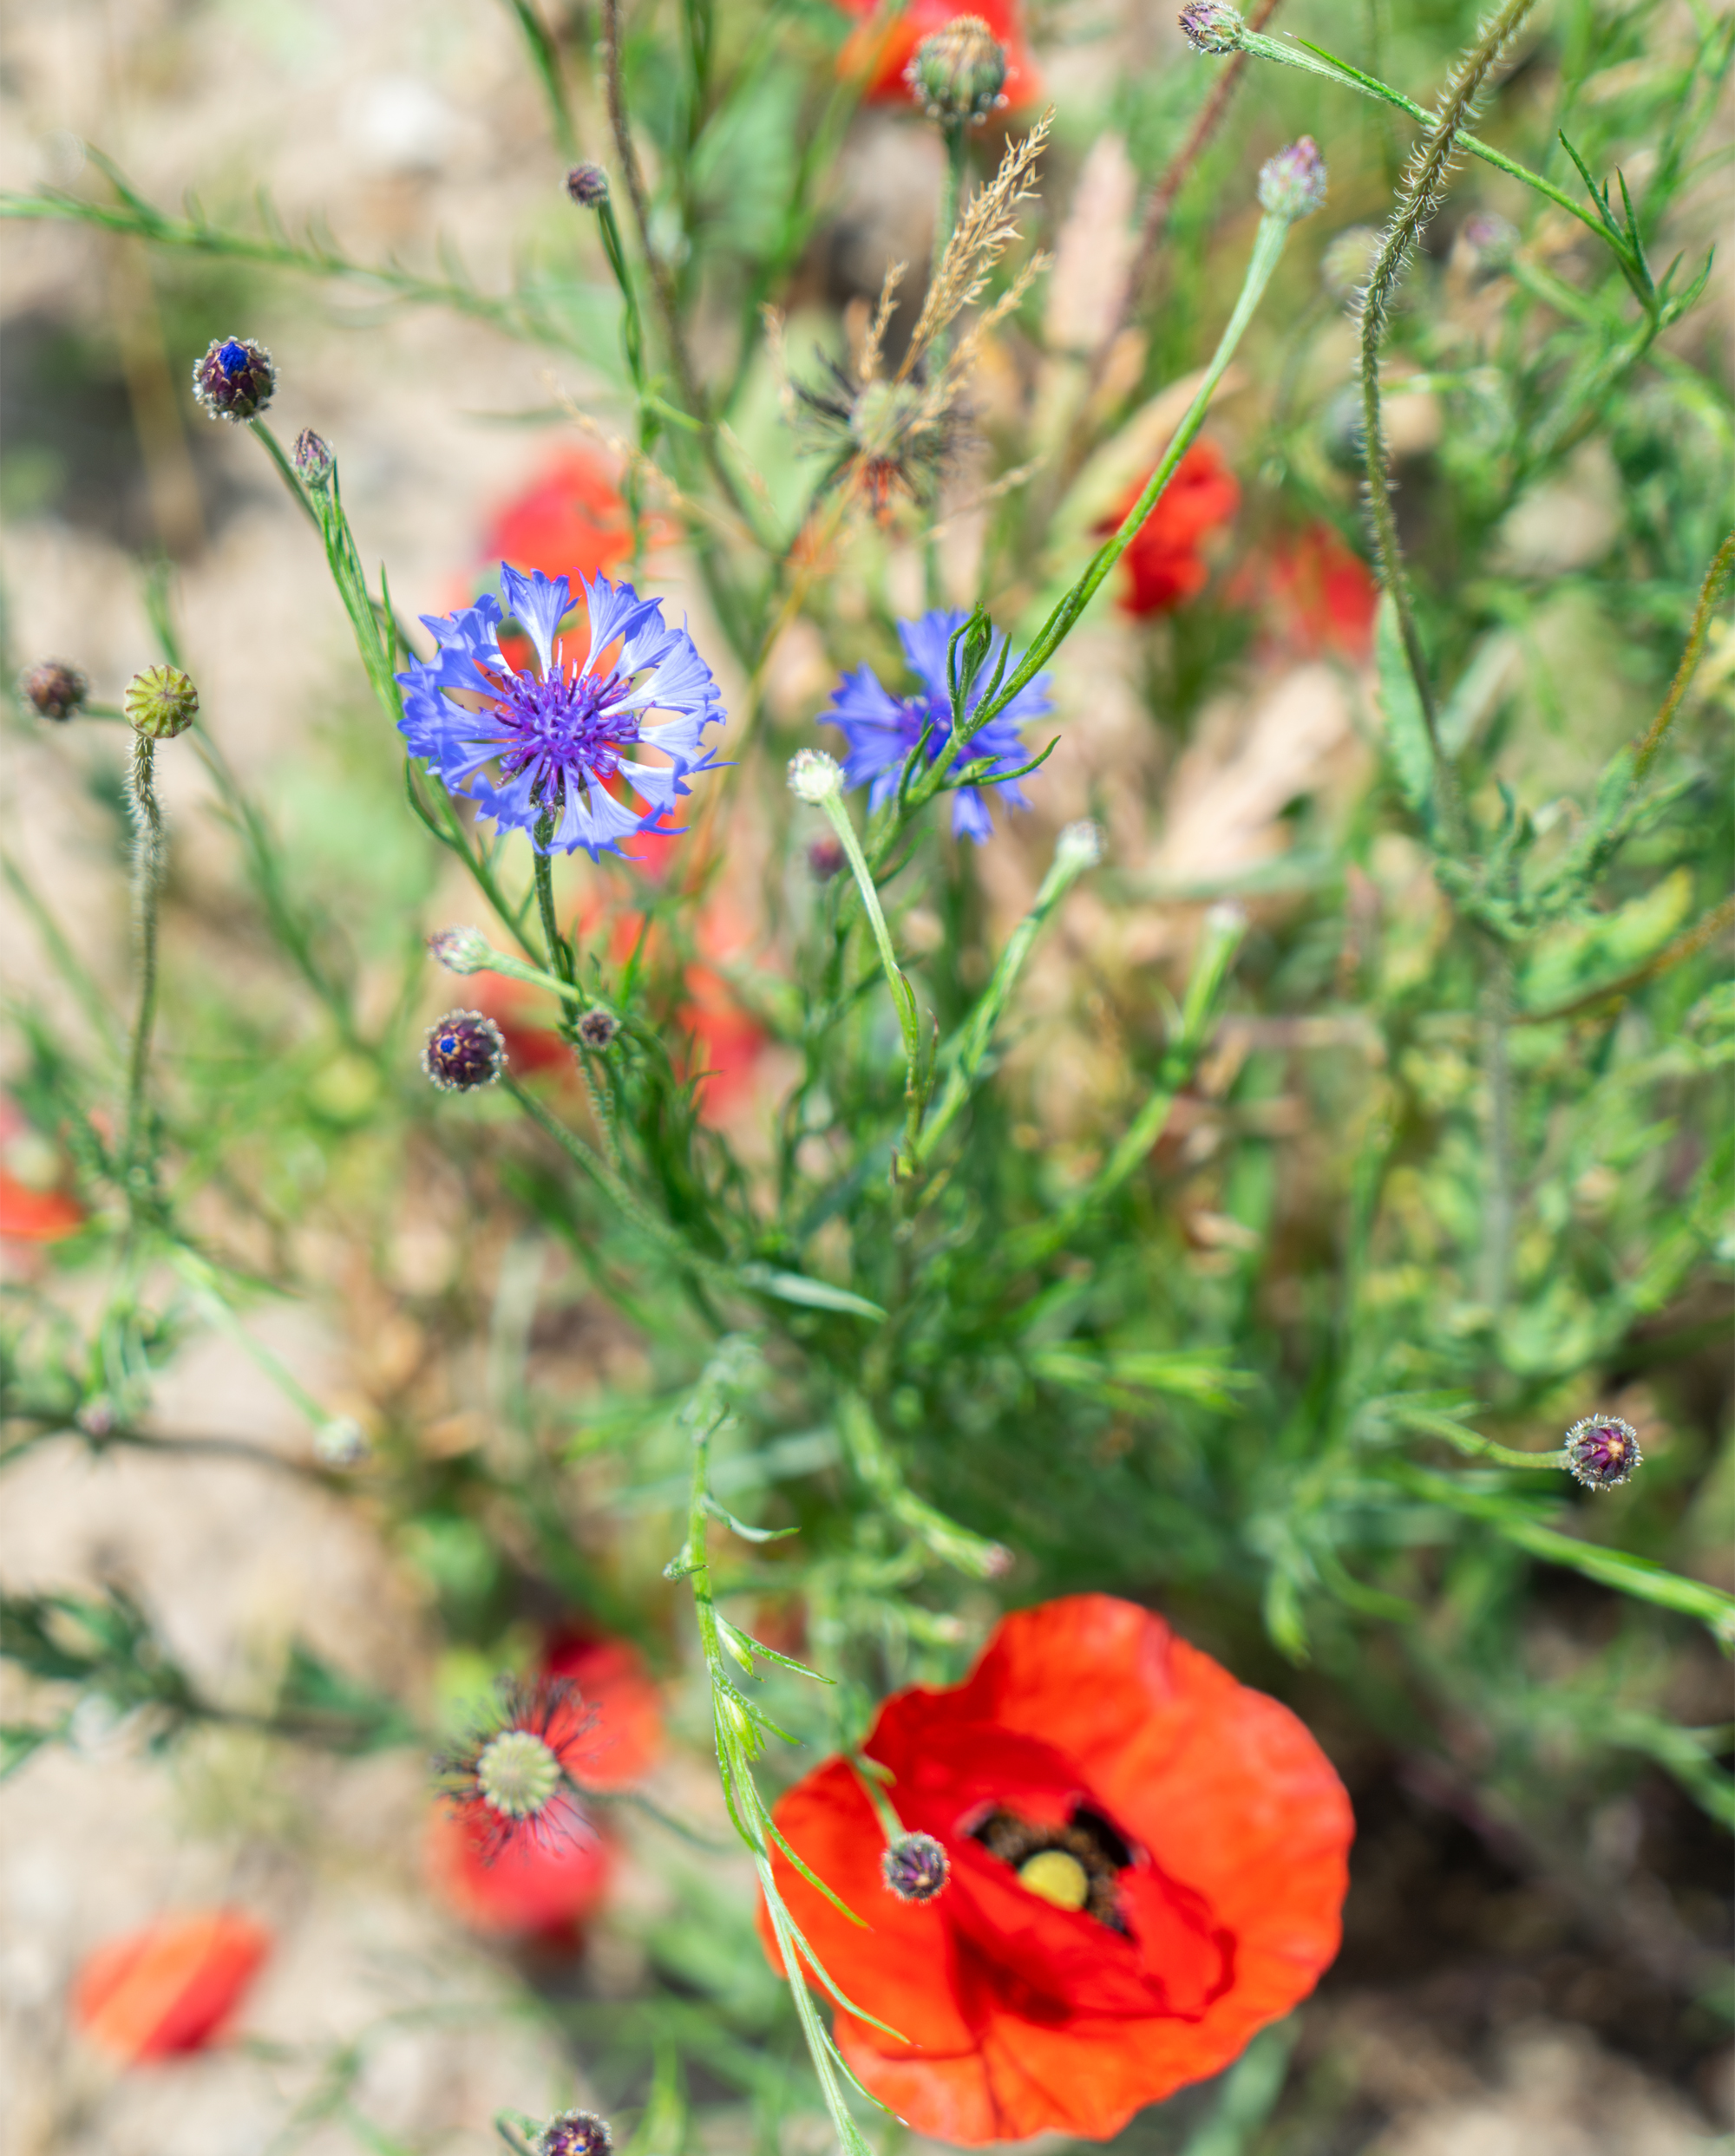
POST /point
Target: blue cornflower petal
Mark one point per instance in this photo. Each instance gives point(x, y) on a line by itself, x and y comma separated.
point(881, 730)
point(554, 742)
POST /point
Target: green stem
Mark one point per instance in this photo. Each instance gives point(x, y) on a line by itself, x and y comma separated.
point(903, 996)
point(1312, 60)
point(1267, 250)
point(148, 857)
point(559, 950)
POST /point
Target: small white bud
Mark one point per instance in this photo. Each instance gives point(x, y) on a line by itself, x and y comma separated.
point(815, 777)
point(1080, 845)
point(461, 949)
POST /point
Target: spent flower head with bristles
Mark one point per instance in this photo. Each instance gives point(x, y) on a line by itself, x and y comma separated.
point(916, 1867)
point(575, 2134)
point(1602, 1450)
point(536, 749)
point(959, 73)
point(587, 185)
point(160, 703)
point(1292, 185)
point(466, 1049)
point(313, 458)
point(53, 687)
point(883, 729)
point(512, 1774)
point(461, 949)
point(1213, 26)
point(234, 378)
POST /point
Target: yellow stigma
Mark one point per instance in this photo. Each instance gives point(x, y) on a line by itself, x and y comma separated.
point(1055, 1877)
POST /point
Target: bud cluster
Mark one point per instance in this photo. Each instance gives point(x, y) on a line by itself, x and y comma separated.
point(587, 185)
point(1213, 26)
point(1602, 1451)
point(466, 1049)
point(575, 2134)
point(53, 687)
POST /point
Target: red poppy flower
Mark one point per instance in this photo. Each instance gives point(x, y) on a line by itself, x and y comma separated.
point(546, 1886)
point(1147, 1862)
point(726, 1043)
point(1162, 564)
point(520, 1012)
point(885, 47)
point(623, 1737)
point(36, 1216)
point(1324, 596)
point(571, 517)
point(171, 1987)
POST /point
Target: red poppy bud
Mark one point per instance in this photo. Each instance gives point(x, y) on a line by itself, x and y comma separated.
point(169, 1988)
point(1147, 1865)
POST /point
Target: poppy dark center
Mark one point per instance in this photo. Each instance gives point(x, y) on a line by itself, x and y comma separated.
point(1074, 1866)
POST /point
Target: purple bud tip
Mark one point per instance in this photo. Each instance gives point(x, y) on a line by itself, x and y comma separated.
point(575, 2134)
point(54, 688)
point(312, 457)
point(1602, 1451)
point(465, 1051)
point(1213, 26)
point(916, 1867)
point(1292, 185)
point(598, 1028)
point(588, 185)
point(234, 378)
point(825, 859)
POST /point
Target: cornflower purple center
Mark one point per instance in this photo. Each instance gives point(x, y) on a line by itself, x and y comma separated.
point(563, 727)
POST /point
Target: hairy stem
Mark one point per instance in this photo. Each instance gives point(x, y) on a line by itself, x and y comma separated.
point(1645, 755)
point(1419, 197)
point(147, 862)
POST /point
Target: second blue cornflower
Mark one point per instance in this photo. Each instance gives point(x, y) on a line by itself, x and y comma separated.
point(881, 730)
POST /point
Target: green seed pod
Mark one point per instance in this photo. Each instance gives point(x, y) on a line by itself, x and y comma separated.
point(160, 703)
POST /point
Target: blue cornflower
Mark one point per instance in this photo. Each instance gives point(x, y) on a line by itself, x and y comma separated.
point(527, 745)
point(881, 730)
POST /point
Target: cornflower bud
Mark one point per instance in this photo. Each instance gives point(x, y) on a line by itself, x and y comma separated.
point(815, 777)
point(598, 1028)
point(825, 859)
point(342, 1442)
point(1602, 1451)
point(1080, 843)
point(160, 703)
point(916, 1867)
point(588, 185)
point(1292, 185)
point(575, 2134)
point(235, 378)
point(1213, 26)
point(53, 687)
point(461, 949)
point(313, 458)
point(465, 1051)
point(960, 73)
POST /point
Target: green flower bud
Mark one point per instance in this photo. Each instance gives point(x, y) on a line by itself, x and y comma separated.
point(160, 703)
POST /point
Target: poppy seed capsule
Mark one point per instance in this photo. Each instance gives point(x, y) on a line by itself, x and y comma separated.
point(160, 703)
point(959, 72)
point(465, 1051)
point(575, 2134)
point(916, 1867)
point(1602, 1451)
point(235, 379)
point(588, 185)
point(598, 1028)
point(54, 688)
point(1213, 27)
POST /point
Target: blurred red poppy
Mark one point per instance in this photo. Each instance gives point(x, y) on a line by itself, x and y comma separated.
point(1323, 597)
point(885, 44)
point(36, 1216)
point(524, 1016)
point(1147, 1865)
point(1164, 565)
point(726, 1043)
point(171, 1987)
point(545, 1886)
point(570, 518)
point(624, 1739)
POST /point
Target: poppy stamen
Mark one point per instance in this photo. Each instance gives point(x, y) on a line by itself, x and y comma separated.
point(1053, 1876)
point(1073, 1867)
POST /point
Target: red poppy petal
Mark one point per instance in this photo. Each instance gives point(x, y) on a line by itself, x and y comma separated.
point(624, 1739)
point(171, 1987)
point(900, 1968)
point(36, 1216)
point(531, 1885)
